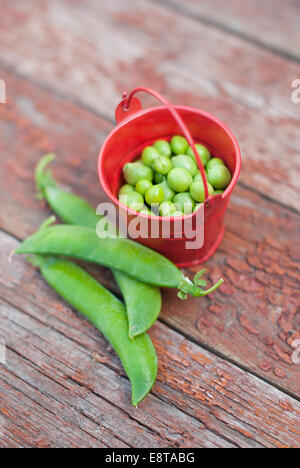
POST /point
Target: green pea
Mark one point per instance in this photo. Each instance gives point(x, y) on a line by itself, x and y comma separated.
point(219, 177)
point(179, 144)
point(179, 179)
point(126, 188)
point(184, 202)
point(163, 147)
point(219, 192)
point(186, 163)
point(162, 165)
point(177, 213)
point(158, 178)
point(214, 162)
point(108, 315)
point(146, 211)
point(202, 151)
point(197, 207)
point(133, 200)
point(154, 195)
point(211, 190)
point(167, 208)
point(133, 172)
point(198, 177)
point(142, 186)
point(148, 155)
point(197, 191)
point(168, 192)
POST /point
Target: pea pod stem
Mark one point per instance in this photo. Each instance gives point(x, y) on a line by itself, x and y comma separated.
point(108, 315)
point(44, 179)
point(187, 287)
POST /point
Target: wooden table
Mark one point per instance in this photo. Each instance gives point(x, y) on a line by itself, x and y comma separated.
point(228, 373)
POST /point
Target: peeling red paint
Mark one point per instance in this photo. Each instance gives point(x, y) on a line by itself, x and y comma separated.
point(280, 373)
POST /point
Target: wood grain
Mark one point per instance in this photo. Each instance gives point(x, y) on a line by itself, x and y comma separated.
point(98, 49)
point(252, 320)
point(270, 23)
point(65, 387)
point(219, 357)
point(254, 317)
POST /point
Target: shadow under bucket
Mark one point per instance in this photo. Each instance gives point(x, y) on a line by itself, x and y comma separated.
point(138, 128)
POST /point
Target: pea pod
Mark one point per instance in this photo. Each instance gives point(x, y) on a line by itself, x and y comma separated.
point(125, 255)
point(143, 302)
point(108, 315)
point(70, 208)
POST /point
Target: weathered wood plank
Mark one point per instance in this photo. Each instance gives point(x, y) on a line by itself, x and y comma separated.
point(270, 23)
point(64, 367)
point(36, 427)
point(253, 318)
point(246, 86)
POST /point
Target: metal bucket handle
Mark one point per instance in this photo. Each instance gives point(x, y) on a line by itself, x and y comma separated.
point(124, 107)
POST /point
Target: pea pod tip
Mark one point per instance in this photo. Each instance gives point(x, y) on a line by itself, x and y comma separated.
point(42, 177)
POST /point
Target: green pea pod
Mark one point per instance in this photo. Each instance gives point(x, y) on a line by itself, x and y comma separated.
point(143, 302)
point(125, 255)
point(70, 208)
point(108, 315)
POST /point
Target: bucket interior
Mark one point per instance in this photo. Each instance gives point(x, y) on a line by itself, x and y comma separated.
point(127, 141)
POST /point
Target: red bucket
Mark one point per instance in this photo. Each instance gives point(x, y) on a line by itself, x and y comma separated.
point(138, 128)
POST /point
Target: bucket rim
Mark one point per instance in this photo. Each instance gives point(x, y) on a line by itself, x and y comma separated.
point(227, 192)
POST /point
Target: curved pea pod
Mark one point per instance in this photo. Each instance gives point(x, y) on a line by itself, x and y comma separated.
point(70, 208)
point(122, 254)
point(125, 255)
point(108, 315)
point(143, 301)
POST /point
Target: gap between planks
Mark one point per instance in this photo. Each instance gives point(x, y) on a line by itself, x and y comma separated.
point(63, 96)
point(44, 407)
point(223, 27)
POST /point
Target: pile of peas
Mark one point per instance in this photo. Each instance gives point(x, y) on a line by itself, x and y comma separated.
point(167, 181)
